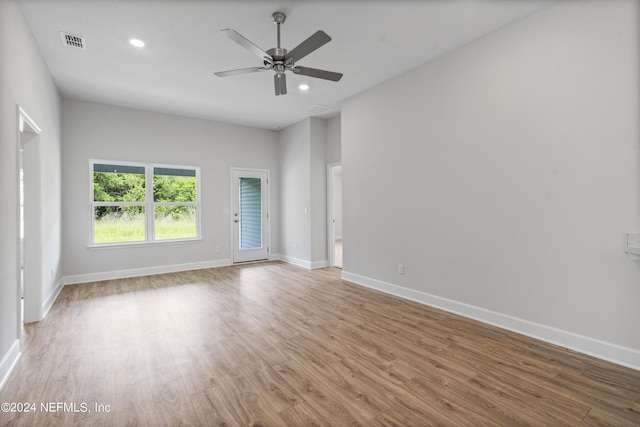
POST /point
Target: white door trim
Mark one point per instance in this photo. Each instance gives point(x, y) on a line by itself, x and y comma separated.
point(331, 232)
point(27, 133)
point(266, 215)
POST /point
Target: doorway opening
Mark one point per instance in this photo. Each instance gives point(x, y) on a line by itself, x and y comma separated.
point(334, 205)
point(29, 278)
point(21, 228)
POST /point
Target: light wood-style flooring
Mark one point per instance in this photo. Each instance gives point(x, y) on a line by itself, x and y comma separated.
point(275, 345)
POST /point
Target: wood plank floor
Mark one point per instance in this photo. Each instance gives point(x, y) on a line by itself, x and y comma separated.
point(273, 345)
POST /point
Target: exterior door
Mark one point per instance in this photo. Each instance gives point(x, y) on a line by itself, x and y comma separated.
point(250, 215)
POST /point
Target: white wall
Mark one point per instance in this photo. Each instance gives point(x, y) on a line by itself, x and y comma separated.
point(97, 131)
point(295, 174)
point(303, 193)
point(334, 148)
point(25, 81)
point(337, 201)
point(318, 165)
point(334, 156)
point(503, 176)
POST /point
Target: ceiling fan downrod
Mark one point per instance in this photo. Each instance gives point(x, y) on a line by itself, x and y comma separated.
point(278, 19)
point(278, 53)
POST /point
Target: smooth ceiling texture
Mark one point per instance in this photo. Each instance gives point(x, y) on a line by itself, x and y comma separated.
point(372, 42)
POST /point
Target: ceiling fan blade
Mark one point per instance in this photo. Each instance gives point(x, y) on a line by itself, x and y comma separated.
point(247, 44)
point(317, 39)
point(319, 74)
point(239, 71)
point(280, 81)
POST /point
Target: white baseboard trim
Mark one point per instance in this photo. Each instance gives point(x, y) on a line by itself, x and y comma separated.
point(295, 261)
point(320, 264)
point(309, 265)
point(9, 361)
point(48, 303)
point(593, 347)
point(145, 271)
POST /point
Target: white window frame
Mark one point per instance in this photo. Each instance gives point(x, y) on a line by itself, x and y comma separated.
point(149, 196)
point(149, 204)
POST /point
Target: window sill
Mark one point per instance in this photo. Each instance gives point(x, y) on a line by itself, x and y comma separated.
point(167, 242)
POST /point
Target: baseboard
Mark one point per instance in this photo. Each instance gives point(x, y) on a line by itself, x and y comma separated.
point(275, 257)
point(320, 264)
point(295, 261)
point(145, 271)
point(309, 265)
point(593, 347)
point(48, 303)
point(9, 361)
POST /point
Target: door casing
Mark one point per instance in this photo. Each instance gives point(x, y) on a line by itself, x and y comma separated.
point(250, 255)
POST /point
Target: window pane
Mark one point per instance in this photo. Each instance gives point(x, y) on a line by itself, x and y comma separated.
point(113, 183)
point(175, 222)
point(174, 185)
point(115, 224)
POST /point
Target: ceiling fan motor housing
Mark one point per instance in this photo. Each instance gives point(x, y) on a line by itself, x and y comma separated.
point(278, 53)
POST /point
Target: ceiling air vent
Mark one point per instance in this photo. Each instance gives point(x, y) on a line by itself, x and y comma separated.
point(73, 40)
point(318, 110)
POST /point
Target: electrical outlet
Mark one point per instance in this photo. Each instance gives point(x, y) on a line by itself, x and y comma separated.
point(217, 248)
point(401, 268)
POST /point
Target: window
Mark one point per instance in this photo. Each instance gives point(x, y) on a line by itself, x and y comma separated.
point(144, 203)
point(119, 194)
point(174, 203)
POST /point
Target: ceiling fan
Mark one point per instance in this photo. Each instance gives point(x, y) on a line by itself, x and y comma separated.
point(279, 59)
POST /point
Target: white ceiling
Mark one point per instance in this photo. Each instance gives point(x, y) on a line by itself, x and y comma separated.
point(373, 40)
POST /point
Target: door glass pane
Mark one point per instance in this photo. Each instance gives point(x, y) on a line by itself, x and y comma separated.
point(250, 213)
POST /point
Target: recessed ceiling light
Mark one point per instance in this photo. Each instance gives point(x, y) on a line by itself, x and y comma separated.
point(137, 42)
point(303, 86)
